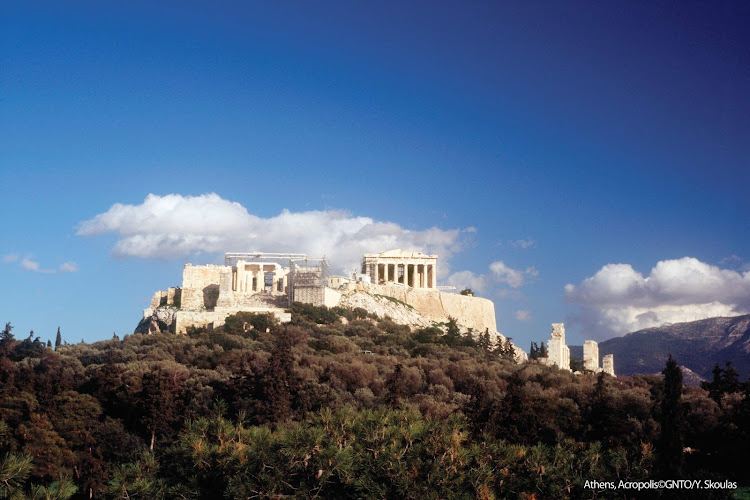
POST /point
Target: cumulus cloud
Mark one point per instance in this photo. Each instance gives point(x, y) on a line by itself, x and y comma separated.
point(500, 273)
point(176, 226)
point(467, 279)
point(618, 299)
point(11, 257)
point(514, 278)
point(522, 315)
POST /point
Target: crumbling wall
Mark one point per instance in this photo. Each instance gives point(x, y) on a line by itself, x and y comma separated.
point(558, 354)
point(591, 356)
point(608, 364)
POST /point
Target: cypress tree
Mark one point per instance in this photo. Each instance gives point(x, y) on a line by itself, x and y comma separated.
point(669, 444)
point(58, 339)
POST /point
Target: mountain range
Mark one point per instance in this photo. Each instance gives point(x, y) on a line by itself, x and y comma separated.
point(696, 345)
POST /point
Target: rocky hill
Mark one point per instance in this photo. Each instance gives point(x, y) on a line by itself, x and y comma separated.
point(697, 345)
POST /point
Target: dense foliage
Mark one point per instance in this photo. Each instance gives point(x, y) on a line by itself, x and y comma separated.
point(339, 403)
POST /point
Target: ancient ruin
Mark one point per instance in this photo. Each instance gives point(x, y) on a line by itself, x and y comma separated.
point(270, 282)
point(608, 364)
point(558, 354)
point(413, 269)
point(590, 355)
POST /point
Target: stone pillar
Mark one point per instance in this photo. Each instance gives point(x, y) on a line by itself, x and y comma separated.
point(591, 356)
point(608, 364)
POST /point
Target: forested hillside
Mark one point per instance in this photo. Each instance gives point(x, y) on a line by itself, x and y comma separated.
point(342, 404)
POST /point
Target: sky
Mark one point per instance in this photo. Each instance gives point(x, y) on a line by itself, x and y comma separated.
point(576, 162)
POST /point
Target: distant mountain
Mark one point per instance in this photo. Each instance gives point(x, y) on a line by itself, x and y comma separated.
point(697, 345)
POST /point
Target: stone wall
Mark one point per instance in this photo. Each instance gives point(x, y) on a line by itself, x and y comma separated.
point(608, 364)
point(200, 285)
point(214, 319)
point(472, 312)
point(314, 295)
point(591, 356)
point(558, 354)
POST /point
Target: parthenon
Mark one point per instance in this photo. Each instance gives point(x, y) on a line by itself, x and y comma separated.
point(413, 269)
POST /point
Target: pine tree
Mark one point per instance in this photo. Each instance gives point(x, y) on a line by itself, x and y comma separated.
point(669, 444)
point(453, 335)
point(58, 339)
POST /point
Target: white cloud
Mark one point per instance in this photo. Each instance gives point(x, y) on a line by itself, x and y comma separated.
point(467, 279)
point(514, 278)
point(522, 315)
point(30, 265)
point(618, 299)
point(176, 226)
point(68, 267)
point(500, 273)
point(527, 243)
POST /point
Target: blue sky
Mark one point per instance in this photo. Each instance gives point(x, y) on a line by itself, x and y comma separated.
point(584, 162)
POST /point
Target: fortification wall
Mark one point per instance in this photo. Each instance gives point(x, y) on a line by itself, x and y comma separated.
point(202, 276)
point(200, 285)
point(472, 312)
point(214, 319)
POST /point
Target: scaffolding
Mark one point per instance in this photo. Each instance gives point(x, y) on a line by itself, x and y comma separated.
point(306, 276)
point(283, 259)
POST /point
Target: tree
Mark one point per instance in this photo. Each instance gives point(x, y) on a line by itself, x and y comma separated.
point(453, 335)
point(485, 342)
point(159, 401)
point(669, 444)
point(505, 349)
point(467, 291)
point(533, 351)
point(576, 364)
point(279, 384)
point(396, 385)
point(725, 381)
point(6, 339)
point(58, 339)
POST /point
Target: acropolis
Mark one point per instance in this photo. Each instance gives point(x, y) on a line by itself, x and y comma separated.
point(270, 282)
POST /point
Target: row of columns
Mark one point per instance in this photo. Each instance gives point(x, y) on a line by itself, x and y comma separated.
point(244, 280)
point(413, 275)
